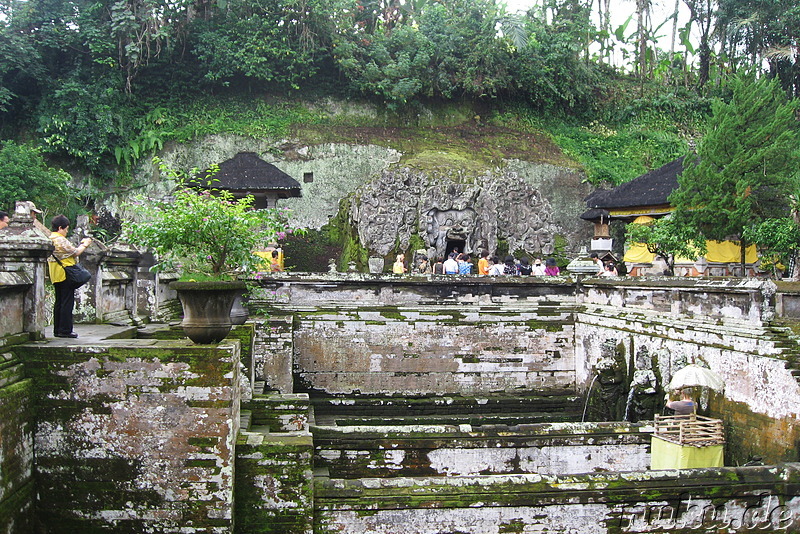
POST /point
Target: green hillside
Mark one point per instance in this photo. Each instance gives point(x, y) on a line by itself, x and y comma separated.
point(90, 91)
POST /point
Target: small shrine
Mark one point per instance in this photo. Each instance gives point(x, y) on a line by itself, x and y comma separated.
point(247, 174)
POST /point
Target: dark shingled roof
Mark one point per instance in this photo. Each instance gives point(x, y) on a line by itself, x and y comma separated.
point(247, 172)
point(650, 189)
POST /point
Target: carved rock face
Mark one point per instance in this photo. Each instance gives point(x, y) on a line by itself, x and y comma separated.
point(398, 204)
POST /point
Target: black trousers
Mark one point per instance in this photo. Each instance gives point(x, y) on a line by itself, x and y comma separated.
point(62, 311)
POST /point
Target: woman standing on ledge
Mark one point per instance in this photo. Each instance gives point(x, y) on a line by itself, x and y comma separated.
point(67, 254)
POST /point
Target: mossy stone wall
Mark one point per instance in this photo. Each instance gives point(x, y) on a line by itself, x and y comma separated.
point(274, 490)
point(135, 435)
point(732, 500)
point(450, 450)
point(716, 324)
point(16, 446)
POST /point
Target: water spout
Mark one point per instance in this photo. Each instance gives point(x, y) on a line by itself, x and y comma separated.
point(628, 405)
point(588, 394)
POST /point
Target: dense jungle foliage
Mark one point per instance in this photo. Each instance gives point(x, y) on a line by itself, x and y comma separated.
point(94, 86)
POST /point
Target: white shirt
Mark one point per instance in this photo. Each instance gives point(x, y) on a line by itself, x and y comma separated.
point(450, 266)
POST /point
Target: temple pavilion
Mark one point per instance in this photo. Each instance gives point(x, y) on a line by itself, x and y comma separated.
point(642, 200)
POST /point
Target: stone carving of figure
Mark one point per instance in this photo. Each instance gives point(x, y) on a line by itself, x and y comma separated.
point(642, 399)
point(390, 209)
point(607, 398)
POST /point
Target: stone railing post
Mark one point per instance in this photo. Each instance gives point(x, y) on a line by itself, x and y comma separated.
point(112, 293)
point(24, 249)
point(155, 299)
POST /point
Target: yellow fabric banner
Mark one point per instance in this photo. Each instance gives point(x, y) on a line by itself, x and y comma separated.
point(668, 455)
point(638, 253)
point(729, 252)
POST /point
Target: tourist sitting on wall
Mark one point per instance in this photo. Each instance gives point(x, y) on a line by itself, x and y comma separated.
point(524, 267)
point(685, 406)
point(510, 266)
point(538, 268)
point(551, 269)
point(424, 266)
point(3, 219)
point(464, 265)
point(496, 267)
point(609, 270)
point(399, 266)
point(483, 263)
point(450, 264)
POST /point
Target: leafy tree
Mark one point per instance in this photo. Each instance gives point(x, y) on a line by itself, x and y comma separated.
point(280, 41)
point(778, 239)
point(468, 57)
point(549, 71)
point(26, 176)
point(746, 163)
point(84, 121)
point(669, 238)
point(394, 67)
point(755, 33)
point(21, 69)
point(701, 13)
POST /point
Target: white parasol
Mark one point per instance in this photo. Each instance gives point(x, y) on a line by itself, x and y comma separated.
point(695, 376)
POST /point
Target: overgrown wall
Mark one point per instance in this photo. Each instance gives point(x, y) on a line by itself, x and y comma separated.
point(716, 324)
point(743, 500)
point(427, 337)
point(135, 435)
point(449, 450)
point(385, 335)
point(16, 446)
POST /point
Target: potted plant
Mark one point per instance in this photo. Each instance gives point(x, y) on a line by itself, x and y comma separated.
point(208, 236)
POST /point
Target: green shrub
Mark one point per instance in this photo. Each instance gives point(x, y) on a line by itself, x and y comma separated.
point(26, 176)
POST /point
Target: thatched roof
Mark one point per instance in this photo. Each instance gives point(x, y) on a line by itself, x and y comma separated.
point(247, 172)
point(650, 189)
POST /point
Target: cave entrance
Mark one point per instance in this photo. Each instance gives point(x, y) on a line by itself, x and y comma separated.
point(454, 245)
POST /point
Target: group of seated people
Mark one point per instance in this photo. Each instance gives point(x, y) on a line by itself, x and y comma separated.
point(604, 269)
point(488, 265)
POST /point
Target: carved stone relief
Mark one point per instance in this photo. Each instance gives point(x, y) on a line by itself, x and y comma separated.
point(397, 204)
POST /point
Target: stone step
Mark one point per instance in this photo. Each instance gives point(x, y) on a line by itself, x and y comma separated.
point(245, 418)
point(281, 413)
point(447, 450)
point(452, 419)
point(387, 407)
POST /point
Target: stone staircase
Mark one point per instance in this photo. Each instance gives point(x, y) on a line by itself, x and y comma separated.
point(786, 336)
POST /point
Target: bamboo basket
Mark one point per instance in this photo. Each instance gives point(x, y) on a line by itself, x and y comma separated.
point(693, 430)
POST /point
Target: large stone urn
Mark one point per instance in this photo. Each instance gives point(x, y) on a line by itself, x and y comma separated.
point(239, 312)
point(207, 308)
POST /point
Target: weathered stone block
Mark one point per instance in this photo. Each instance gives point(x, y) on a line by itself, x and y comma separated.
point(274, 492)
point(136, 435)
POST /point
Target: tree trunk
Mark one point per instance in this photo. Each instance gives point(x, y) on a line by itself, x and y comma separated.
point(641, 44)
point(674, 29)
point(742, 255)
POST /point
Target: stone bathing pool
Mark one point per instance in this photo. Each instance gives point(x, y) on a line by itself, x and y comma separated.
point(376, 405)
